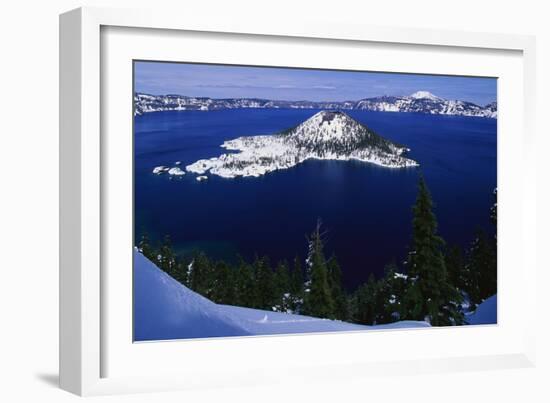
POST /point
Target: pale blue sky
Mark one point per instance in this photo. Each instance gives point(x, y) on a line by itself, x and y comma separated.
point(220, 81)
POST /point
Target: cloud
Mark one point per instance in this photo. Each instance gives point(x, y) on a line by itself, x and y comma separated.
point(266, 87)
point(222, 86)
point(244, 86)
point(323, 87)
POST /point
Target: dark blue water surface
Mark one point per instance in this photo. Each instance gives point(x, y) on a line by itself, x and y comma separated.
point(366, 210)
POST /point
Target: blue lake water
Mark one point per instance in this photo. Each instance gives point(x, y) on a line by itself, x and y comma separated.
point(366, 210)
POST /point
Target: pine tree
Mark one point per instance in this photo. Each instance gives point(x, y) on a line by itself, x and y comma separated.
point(456, 267)
point(391, 290)
point(429, 295)
point(341, 309)
point(245, 285)
point(364, 302)
point(482, 261)
point(189, 272)
point(318, 297)
point(266, 297)
point(179, 271)
point(166, 258)
point(200, 278)
point(482, 269)
point(223, 289)
point(297, 286)
point(144, 246)
point(282, 287)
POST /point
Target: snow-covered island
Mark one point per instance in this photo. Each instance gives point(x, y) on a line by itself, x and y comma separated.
point(327, 135)
point(161, 169)
point(174, 171)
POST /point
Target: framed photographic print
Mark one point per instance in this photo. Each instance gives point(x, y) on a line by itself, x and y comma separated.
point(242, 198)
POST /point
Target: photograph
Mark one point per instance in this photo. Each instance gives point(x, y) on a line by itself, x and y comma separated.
point(274, 200)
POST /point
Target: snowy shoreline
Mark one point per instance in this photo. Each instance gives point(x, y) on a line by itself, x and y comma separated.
point(263, 159)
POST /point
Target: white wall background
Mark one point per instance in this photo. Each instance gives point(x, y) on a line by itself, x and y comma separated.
point(29, 201)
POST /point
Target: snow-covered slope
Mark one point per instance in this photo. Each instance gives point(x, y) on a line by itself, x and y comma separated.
point(164, 309)
point(327, 135)
point(485, 314)
point(420, 102)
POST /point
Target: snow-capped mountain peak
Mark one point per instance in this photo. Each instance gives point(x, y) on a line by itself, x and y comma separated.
point(325, 126)
point(425, 95)
point(335, 132)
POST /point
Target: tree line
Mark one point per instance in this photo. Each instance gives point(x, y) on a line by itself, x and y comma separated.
point(436, 283)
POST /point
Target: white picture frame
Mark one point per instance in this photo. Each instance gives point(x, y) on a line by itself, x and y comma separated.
point(93, 346)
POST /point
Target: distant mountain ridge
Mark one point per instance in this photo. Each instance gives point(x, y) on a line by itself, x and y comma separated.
point(419, 102)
